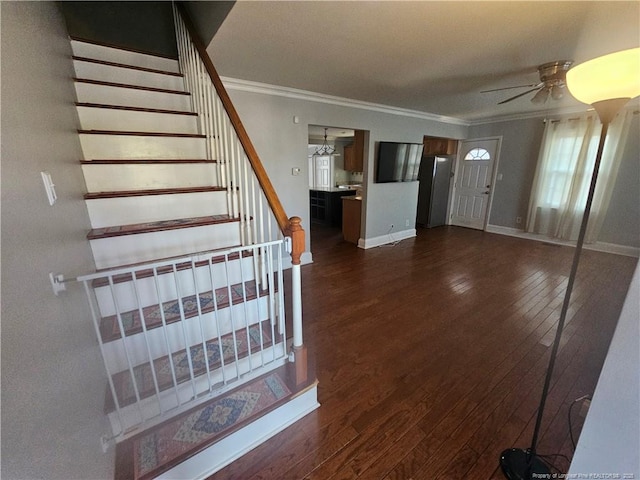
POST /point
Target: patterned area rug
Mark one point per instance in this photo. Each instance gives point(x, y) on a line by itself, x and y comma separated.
point(144, 378)
point(110, 329)
point(159, 449)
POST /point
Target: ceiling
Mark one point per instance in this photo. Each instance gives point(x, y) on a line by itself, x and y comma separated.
point(427, 56)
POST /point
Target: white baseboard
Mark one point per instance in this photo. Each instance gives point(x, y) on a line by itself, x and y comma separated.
point(598, 246)
point(386, 239)
point(232, 447)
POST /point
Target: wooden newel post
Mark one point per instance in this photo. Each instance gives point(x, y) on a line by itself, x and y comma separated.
point(299, 350)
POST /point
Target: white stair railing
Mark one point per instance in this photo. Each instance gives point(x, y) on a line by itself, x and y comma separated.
point(245, 199)
point(176, 331)
point(250, 194)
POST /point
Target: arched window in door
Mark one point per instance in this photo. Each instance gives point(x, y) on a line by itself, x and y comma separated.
point(478, 154)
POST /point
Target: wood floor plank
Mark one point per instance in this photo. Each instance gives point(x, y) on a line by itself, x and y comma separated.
point(431, 355)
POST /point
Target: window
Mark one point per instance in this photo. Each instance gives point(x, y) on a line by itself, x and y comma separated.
point(563, 175)
point(478, 154)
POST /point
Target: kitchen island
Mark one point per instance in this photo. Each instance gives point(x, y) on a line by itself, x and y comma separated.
point(326, 204)
point(351, 211)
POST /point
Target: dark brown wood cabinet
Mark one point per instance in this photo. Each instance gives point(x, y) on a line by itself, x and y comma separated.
point(354, 153)
point(440, 146)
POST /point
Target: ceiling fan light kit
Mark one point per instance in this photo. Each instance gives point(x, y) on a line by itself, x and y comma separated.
point(552, 83)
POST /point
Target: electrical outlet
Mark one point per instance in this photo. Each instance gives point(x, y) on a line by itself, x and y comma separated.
point(518, 220)
point(584, 409)
point(406, 222)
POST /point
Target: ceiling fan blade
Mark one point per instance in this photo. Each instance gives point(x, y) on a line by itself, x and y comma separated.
point(509, 88)
point(519, 95)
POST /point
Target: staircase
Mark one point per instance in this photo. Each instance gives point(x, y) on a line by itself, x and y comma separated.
point(189, 245)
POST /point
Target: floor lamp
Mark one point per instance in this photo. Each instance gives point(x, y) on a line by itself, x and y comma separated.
point(607, 83)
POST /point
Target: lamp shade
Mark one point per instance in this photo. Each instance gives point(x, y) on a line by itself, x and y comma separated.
point(616, 75)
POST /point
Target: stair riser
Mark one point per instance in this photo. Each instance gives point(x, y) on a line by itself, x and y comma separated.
point(150, 407)
point(132, 147)
point(114, 177)
point(125, 292)
point(140, 209)
point(145, 247)
point(232, 447)
point(109, 54)
point(129, 97)
point(129, 76)
point(92, 118)
point(114, 351)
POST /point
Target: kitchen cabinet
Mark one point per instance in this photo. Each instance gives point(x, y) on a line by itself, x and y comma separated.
point(351, 208)
point(354, 153)
point(326, 206)
point(439, 146)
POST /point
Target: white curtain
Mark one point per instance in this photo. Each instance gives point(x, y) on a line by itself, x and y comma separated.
point(565, 165)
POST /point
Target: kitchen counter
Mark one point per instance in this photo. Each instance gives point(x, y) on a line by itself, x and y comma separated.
point(335, 189)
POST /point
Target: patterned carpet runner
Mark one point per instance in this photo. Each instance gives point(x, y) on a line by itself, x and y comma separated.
point(216, 349)
point(110, 330)
point(164, 446)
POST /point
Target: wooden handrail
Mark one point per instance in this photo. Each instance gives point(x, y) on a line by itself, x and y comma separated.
point(250, 151)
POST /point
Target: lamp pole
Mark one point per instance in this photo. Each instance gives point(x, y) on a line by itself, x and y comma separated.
point(607, 83)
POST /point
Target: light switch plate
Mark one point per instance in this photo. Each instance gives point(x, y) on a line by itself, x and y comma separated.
point(49, 187)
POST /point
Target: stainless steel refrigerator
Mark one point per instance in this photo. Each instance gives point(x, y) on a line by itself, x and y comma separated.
point(433, 193)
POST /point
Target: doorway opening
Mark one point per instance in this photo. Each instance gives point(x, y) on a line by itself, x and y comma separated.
point(335, 166)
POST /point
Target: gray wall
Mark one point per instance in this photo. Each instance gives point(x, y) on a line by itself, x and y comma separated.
point(622, 223)
point(282, 145)
point(518, 157)
point(53, 381)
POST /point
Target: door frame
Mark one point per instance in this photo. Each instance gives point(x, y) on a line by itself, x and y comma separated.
point(494, 176)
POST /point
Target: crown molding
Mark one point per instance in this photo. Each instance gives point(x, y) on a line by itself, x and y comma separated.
point(528, 115)
point(288, 92)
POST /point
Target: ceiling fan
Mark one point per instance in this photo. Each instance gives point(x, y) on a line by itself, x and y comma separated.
point(552, 83)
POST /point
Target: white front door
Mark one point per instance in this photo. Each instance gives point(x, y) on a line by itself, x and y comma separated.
point(474, 178)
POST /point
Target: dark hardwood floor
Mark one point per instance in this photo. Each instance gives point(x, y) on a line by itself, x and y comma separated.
point(431, 353)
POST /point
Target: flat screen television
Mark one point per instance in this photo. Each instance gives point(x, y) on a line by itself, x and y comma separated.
point(398, 162)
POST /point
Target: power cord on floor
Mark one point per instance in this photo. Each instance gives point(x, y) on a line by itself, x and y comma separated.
point(581, 399)
point(546, 458)
point(393, 242)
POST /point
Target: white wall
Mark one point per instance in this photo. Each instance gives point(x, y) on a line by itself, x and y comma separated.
point(610, 438)
point(282, 145)
point(53, 381)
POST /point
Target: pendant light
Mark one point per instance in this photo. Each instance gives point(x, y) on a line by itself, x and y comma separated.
point(325, 148)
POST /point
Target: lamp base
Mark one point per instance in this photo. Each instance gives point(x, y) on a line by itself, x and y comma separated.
point(515, 466)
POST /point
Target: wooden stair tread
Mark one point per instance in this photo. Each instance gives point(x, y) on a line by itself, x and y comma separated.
point(159, 226)
point(126, 451)
point(132, 322)
point(127, 85)
point(135, 109)
point(156, 191)
point(148, 272)
point(145, 161)
point(140, 134)
point(142, 372)
point(124, 65)
point(120, 47)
